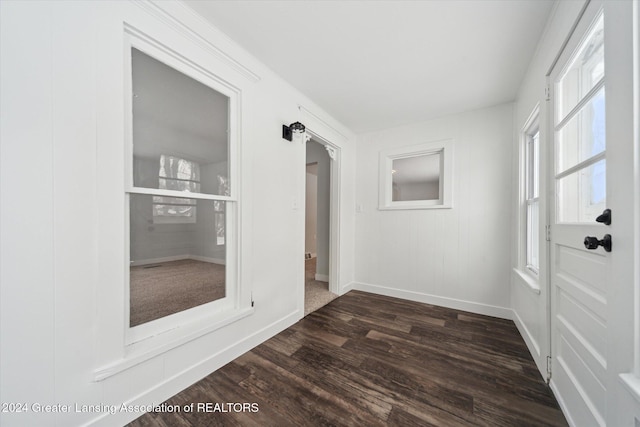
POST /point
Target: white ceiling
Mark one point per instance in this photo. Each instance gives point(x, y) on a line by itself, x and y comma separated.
point(379, 64)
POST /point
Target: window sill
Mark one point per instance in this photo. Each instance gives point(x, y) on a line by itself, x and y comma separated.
point(632, 384)
point(529, 282)
point(142, 354)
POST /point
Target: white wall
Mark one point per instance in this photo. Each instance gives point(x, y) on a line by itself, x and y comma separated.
point(62, 249)
point(530, 305)
point(455, 257)
point(316, 153)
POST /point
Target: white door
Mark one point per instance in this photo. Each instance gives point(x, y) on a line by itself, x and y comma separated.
point(586, 172)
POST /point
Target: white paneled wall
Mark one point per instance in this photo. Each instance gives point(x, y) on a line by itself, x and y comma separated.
point(455, 257)
point(63, 237)
point(529, 306)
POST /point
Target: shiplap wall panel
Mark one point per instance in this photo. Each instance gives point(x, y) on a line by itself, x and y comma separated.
point(459, 255)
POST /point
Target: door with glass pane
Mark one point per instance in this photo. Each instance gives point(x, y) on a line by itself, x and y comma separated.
point(579, 274)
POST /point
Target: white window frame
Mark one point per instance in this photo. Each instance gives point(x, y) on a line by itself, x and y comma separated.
point(529, 163)
point(204, 318)
point(581, 169)
point(444, 148)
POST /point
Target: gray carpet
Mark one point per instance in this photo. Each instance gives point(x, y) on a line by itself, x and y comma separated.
point(161, 289)
point(316, 293)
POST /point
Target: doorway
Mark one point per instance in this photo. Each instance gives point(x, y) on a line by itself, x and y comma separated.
point(317, 227)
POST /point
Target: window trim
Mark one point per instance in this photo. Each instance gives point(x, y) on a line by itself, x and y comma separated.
point(385, 185)
point(528, 197)
point(532, 160)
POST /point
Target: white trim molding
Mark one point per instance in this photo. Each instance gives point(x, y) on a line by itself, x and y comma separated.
point(636, 179)
point(141, 262)
point(160, 12)
point(531, 342)
point(454, 303)
point(632, 385)
point(442, 148)
point(164, 390)
point(527, 280)
point(140, 356)
point(331, 151)
point(335, 196)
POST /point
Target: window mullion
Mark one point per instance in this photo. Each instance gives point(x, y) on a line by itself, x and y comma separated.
point(179, 194)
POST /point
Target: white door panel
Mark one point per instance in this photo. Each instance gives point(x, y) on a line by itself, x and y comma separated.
point(579, 276)
point(591, 161)
point(583, 411)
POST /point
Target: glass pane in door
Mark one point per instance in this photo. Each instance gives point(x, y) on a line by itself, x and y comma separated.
point(583, 73)
point(582, 194)
point(583, 136)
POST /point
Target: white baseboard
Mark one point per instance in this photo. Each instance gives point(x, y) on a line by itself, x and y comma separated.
point(173, 385)
point(207, 259)
point(532, 345)
point(322, 277)
point(159, 260)
point(458, 304)
point(346, 288)
point(561, 403)
point(149, 261)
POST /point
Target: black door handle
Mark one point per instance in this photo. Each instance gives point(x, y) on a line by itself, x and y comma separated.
point(605, 217)
point(593, 242)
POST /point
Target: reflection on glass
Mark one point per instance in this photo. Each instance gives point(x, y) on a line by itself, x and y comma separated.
point(583, 136)
point(180, 149)
point(416, 178)
point(583, 73)
point(533, 224)
point(180, 139)
point(175, 265)
point(582, 194)
point(177, 175)
point(533, 166)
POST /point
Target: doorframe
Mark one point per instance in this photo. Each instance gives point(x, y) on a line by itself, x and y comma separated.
point(636, 173)
point(334, 207)
point(551, 183)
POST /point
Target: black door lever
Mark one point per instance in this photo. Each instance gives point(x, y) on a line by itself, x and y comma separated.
point(593, 242)
point(605, 217)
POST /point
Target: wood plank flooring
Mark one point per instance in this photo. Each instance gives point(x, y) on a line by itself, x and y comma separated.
point(370, 360)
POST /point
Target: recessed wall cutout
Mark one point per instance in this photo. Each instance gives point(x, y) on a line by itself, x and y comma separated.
point(416, 177)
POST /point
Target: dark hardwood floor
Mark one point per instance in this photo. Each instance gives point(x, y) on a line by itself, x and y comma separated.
point(370, 360)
